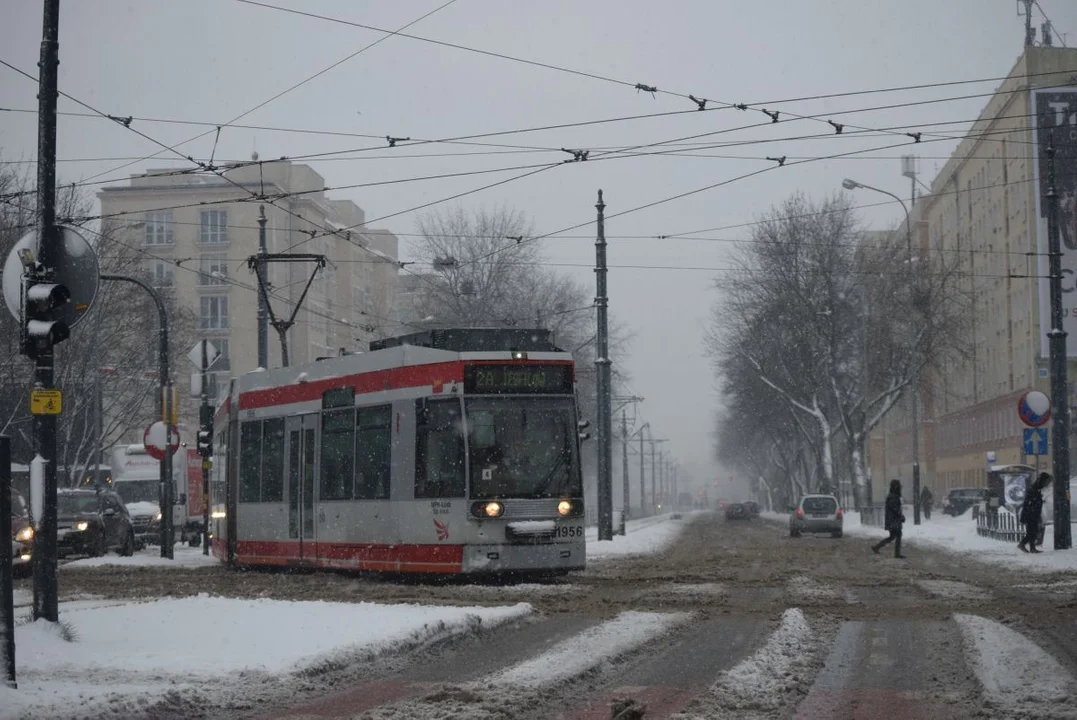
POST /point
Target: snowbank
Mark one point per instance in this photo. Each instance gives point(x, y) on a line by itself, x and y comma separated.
point(134, 651)
point(643, 536)
point(184, 557)
point(959, 535)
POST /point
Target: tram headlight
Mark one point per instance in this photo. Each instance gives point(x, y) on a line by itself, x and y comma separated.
point(493, 509)
point(25, 535)
point(564, 508)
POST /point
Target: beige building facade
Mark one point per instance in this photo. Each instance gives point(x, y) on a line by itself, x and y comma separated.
point(983, 209)
point(195, 233)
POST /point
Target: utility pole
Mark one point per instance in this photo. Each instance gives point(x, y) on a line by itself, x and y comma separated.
point(1059, 383)
point(7, 586)
point(205, 444)
point(642, 492)
point(50, 248)
point(263, 309)
point(624, 464)
point(602, 368)
point(909, 170)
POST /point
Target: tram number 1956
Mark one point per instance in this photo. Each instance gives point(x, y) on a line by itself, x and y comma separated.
point(569, 531)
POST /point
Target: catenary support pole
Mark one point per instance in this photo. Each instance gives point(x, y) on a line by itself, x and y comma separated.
point(642, 493)
point(44, 426)
point(7, 584)
point(624, 466)
point(263, 309)
point(1060, 409)
point(605, 399)
point(205, 424)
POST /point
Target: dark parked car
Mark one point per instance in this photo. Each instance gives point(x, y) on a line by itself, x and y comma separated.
point(737, 511)
point(92, 522)
point(958, 500)
point(753, 508)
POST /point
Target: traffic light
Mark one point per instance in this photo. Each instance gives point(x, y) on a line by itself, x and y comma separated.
point(43, 327)
point(205, 443)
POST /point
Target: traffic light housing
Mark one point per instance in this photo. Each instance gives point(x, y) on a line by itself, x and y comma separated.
point(205, 432)
point(42, 326)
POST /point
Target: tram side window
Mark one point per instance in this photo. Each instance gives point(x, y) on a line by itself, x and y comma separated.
point(338, 453)
point(373, 442)
point(273, 460)
point(439, 449)
point(250, 461)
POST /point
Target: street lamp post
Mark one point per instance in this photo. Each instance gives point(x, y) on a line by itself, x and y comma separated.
point(854, 185)
point(165, 399)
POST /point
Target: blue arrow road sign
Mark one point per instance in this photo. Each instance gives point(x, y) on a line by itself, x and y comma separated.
point(1035, 441)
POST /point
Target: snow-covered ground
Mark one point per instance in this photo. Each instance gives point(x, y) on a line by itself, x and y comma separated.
point(643, 536)
point(959, 535)
point(121, 658)
point(183, 557)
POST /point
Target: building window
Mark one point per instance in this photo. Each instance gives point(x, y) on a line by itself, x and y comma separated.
point(214, 315)
point(214, 227)
point(160, 272)
point(213, 270)
point(159, 228)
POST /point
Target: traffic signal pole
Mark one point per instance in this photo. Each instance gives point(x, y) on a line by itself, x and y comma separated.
point(205, 445)
point(49, 249)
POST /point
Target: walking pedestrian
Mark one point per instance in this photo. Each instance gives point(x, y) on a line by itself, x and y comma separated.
point(1032, 513)
point(893, 521)
point(927, 500)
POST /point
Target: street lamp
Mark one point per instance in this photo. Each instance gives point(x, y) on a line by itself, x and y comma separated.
point(854, 185)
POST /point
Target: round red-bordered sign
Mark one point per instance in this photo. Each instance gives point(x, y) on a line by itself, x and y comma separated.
point(155, 437)
point(1034, 409)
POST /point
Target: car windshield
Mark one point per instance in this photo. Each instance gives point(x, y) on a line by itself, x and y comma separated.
point(132, 491)
point(819, 505)
point(71, 504)
point(522, 447)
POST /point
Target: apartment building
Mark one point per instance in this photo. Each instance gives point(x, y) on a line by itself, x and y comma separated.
point(195, 233)
point(985, 208)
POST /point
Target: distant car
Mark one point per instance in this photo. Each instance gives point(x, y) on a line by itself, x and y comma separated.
point(738, 511)
point(92, 522)
point(817, 514)
point(958, 500)
point(753, 508)
point(22, 534)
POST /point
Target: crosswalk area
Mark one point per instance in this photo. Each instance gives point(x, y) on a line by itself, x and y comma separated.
point(825, 657)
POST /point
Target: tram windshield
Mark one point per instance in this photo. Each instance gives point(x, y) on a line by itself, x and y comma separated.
point(522, 447)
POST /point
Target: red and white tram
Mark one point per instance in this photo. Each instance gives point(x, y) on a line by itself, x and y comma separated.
point(448, 451)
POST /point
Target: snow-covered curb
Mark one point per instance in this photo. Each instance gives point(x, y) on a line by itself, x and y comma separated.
point(642, 537)
point(127, 656)
point(183, 557)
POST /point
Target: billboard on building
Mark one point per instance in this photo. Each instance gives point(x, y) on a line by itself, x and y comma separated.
point(1054, 112)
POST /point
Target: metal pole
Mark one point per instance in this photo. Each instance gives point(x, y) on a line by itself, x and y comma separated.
point(205, 424)
point(263, 310)
point(164, 399)
point(654, 481)
point(602, 367)
point(1059, 384)
point(624, 465)
point(7, 583)
point(44, 426)
point(642, 492)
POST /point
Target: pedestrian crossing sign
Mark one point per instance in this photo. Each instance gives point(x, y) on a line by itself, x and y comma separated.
point(46, 402)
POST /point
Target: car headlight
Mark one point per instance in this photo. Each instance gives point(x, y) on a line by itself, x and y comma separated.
point(25, 535)
point(81, 526)
point(159, 515)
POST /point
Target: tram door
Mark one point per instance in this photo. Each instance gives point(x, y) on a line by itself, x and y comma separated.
point(302, 455)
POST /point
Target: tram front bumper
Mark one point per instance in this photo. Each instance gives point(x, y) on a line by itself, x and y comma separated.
point(538, 557)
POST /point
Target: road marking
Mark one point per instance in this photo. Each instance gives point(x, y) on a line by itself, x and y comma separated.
point(587, 650)
point(952, 589)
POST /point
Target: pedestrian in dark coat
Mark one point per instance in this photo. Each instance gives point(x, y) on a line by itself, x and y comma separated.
point(927, 501)
point(893, 521)
point(1032, 513)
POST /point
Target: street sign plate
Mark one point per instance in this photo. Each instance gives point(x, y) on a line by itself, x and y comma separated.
point(195, 355)
point(46, 402)
point(1035, 441)
point(154, 440)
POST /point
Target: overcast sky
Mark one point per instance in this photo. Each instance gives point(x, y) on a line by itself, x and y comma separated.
point(210, 60)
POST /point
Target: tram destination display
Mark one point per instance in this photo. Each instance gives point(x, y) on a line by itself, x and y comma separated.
point(517, 379)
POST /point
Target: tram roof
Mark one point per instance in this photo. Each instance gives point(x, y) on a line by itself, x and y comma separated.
point(474, 340)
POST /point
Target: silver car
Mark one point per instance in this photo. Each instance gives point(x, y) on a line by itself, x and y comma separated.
point(816, 514)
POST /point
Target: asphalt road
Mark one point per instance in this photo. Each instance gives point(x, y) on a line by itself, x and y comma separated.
point(735, 620)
